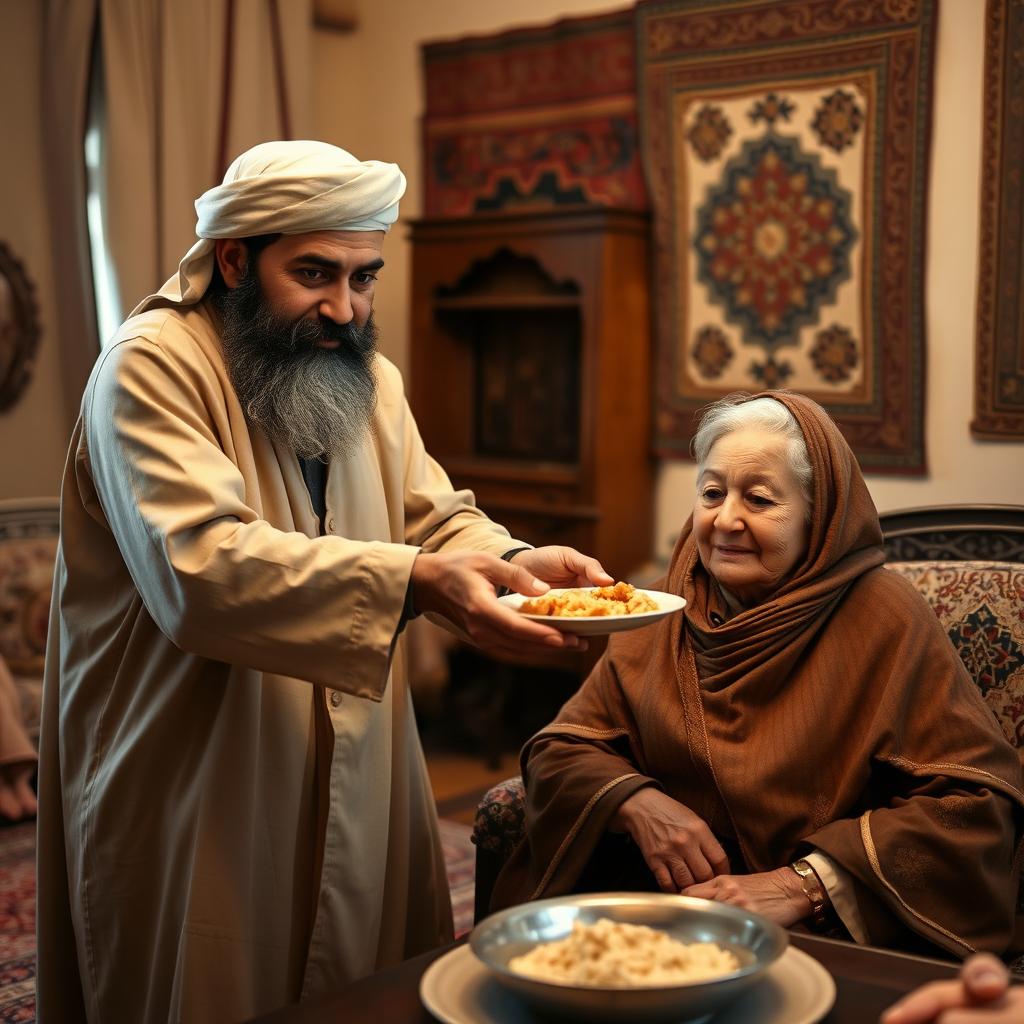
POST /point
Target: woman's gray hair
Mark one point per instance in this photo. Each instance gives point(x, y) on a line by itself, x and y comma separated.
point(735, 412)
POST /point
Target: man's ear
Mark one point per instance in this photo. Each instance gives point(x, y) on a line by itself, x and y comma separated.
point(232, 256)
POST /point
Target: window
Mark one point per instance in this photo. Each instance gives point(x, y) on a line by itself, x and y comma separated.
point(104, 274)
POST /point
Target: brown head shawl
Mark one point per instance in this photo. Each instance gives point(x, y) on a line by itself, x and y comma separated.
point(833, 715)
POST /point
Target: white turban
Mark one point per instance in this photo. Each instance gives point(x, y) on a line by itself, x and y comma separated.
point(286, 187)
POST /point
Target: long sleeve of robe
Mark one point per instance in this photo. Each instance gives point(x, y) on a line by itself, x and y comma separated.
point(234, 805)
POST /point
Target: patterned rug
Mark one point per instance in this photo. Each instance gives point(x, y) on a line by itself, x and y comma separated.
point(17, 923)
point(18, 910)
point(460, 860)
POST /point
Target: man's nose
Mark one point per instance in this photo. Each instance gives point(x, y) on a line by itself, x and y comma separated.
point(337, 304)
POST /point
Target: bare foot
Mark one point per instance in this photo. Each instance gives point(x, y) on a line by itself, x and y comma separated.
point(17, 800)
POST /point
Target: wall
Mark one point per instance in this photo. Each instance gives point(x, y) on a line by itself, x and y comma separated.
point(34, 433)
point(368, 98)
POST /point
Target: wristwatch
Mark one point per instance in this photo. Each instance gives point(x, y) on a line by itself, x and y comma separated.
point(814, 891)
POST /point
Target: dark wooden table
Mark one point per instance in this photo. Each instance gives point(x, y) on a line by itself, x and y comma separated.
point(867, 981)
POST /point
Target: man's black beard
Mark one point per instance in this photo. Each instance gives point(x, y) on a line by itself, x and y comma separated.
point(318, 402)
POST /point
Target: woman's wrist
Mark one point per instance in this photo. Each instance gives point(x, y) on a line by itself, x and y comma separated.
point(637, 804)
point(814, 893)
point(792, 885)
point(621, 820)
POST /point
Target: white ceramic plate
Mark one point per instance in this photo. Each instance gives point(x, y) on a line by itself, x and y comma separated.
point(457, 989)
point(597, 625)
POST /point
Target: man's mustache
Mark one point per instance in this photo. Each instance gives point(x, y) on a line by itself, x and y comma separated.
point(309, 332)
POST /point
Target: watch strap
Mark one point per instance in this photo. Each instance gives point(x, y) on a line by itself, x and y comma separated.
point(815, 892)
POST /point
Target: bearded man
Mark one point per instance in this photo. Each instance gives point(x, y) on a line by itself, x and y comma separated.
point(234, 810)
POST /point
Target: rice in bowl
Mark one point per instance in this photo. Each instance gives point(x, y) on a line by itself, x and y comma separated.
point(614, 954)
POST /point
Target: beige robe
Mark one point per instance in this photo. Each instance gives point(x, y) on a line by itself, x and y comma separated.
point(203, 634)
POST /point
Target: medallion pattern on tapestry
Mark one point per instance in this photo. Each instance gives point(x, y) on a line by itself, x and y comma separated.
point(773, 239)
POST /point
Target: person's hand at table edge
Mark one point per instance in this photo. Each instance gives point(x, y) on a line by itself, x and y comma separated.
point(980, 995)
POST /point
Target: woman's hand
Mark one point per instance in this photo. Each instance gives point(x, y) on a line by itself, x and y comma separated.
point(981, 995)
point(777, 895)
point(676, 844)
point(563, 567)
point(17, 800)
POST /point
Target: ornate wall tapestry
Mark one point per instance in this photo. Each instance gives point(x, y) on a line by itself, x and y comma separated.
point(534, 117)
point(999, 357)
point(786, 147)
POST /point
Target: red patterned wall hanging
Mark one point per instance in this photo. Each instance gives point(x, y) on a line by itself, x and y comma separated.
point(533, 118)
point(786, 149)
point(999, 356)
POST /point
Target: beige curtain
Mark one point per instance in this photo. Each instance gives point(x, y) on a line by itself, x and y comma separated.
point(189, 84)
point(186, 85)
point(67, 35)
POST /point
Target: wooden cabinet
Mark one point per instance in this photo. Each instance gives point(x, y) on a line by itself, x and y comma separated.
point(530, 372)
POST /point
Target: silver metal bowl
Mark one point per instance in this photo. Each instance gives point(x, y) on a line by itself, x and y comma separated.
point(755, 941)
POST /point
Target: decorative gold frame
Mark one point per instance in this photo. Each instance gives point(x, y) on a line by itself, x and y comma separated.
point(19, 329)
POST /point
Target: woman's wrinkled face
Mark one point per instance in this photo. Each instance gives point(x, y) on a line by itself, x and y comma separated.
point(750, 520)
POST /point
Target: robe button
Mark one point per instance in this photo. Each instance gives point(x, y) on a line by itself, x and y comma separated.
point(330, 525)
point(335, 699)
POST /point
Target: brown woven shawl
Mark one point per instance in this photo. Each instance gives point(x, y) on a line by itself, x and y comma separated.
point(835, 714)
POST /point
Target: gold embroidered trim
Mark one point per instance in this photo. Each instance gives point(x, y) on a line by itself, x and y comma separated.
point(869, 847)
point(589, 729)
point(937, 768)
point(573, 832)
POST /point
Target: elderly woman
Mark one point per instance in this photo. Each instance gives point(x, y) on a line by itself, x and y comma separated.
point(803, 740)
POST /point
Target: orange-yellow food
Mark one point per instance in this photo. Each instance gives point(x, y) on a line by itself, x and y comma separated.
point(621, 599)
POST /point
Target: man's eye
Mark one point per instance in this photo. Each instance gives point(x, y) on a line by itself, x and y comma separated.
point(312, 275)
point(364, 277)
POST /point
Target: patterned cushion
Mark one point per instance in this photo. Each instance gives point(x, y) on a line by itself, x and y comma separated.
point(981, 607)
point(499, 822)
point(28, 547)
point(26, 576)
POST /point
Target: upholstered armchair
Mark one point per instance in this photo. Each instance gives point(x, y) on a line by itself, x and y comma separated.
point(28, 546)
point(967, 561)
